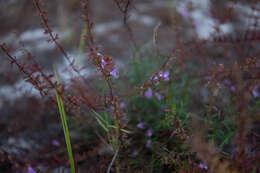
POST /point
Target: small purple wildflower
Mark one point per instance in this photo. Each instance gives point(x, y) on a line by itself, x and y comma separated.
point(55, 143)
point(221, 68)
point(125, 118)
point(196, 26)
point(202, 166)
point(103, 63)
point(140, 125)
point(255, 92)
point(148, 93)
point(111, 108)
point(166, 76)
point(227, 82)
point(134, 153)
point(159, 97)
point(184, 13)
point(233, 89)
point(114, 73)
point(148, 143)
point(30, 170)
point(160, 74)
point(122, 105)
point(149, 133)
point(215, 108)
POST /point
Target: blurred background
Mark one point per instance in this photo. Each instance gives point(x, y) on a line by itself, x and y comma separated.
point(220, 31)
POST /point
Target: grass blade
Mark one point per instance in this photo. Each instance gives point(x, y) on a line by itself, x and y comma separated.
point(64, 125)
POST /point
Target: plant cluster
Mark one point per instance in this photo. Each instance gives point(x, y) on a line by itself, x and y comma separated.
point(195, 109)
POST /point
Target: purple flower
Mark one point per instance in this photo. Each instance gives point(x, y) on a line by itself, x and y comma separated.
point(184, 13)
point(122, 105)
point(114, 73)
point(103, 63)
point(55, 143)
point(30, 170)
point(166, 76)
point(134, 153)
point(196, 26)
point(233, 89)
point(227, 81)
point(149, 133)
point(159, 97)
point(125, 118)
point(140, 125)
point(148, 143)
point(148, 93)
point(221, 68)
point(202, 166)
point(255, 92)
point(111, 108)
point(160, 74)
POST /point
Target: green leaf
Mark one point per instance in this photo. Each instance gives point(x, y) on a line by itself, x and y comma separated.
point(64, 124)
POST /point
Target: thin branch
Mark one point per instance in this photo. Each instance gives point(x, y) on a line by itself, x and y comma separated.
point(113, 160)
